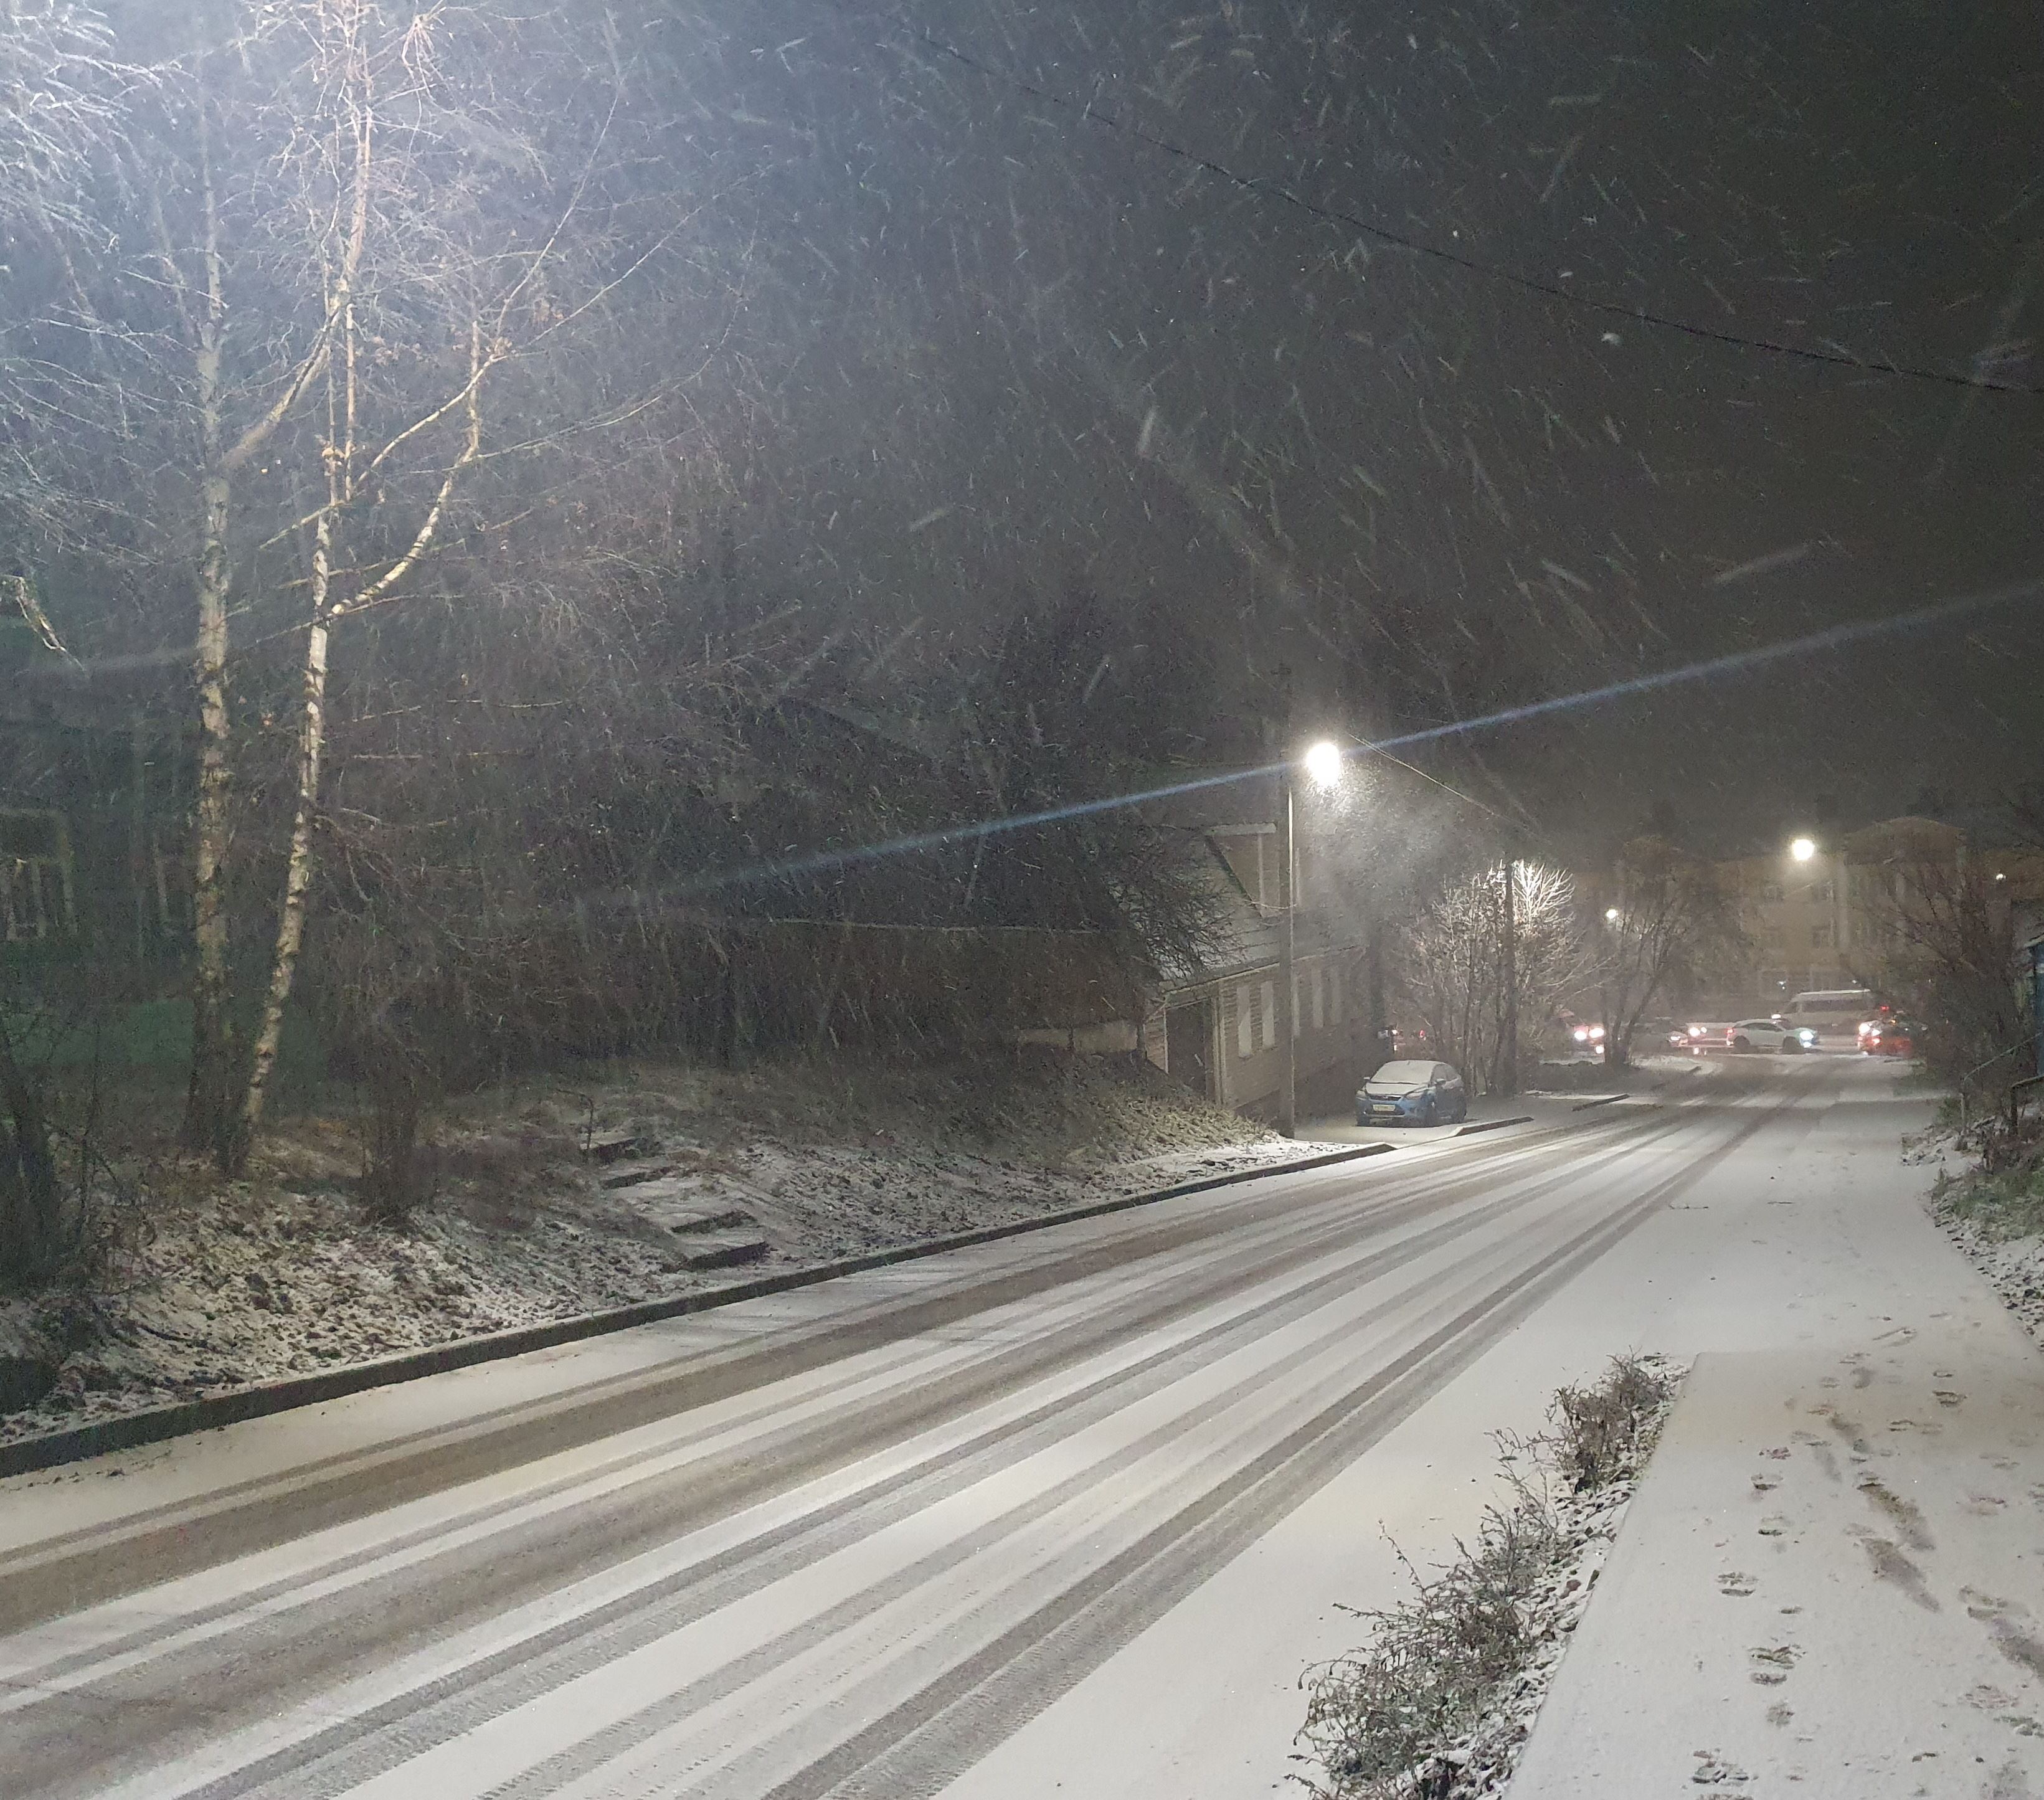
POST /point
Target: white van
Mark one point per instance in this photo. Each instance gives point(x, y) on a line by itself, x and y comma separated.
point(1829, 1012)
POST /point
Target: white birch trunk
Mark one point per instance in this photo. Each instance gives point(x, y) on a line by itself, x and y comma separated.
point(299, 867)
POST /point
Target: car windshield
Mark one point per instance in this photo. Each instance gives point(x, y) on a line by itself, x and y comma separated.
point(1404, 1074)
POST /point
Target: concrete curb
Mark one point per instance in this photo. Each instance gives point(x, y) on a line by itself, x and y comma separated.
point(1493, 1124)
point(1601, 1100)
point(286, 1393)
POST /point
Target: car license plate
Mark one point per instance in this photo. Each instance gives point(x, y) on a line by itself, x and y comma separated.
point(1380, 1106)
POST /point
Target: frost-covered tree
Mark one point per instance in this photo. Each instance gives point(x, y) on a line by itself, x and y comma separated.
point(1461, 968)
point(328, 316)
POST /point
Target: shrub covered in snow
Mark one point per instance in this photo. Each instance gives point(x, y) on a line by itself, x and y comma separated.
point(1438, 1705)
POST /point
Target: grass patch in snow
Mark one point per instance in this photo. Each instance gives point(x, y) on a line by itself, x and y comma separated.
point(1439, 1703)
point(2006, 1204)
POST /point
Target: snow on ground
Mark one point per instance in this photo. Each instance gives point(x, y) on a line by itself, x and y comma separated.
point(1995, 1219)
point(2014, 1267)
point(1586, 1526)
point(217, 1286)
point(1575, 1528)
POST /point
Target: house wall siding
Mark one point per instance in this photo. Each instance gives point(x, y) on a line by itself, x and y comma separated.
point(1329, 1051)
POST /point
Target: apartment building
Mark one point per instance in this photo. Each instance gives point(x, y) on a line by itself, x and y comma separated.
point(1824, 915)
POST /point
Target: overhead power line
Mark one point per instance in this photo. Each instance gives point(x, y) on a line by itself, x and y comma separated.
point(1266, 188)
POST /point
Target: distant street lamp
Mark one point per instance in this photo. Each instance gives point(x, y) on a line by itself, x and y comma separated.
point(1611, 915)
point(1324, 765)
point(1803, 851)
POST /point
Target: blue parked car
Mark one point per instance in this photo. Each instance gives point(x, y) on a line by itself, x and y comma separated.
point(1412, 1094)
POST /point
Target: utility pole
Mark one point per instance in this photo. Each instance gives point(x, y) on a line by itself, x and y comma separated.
point(1510, 960)
point(1287, 1046)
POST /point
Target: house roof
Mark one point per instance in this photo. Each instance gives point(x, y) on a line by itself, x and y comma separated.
point(1251, 935)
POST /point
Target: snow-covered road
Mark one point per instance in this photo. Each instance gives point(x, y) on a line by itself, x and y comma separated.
point(951, 1526)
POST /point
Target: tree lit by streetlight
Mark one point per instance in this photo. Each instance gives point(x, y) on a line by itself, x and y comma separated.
point(1803, 849)
point(1323, 764)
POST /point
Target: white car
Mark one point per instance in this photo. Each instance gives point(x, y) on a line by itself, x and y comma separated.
point(1768, 1034)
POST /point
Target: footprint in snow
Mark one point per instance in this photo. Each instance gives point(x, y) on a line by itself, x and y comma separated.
point(1736, 1586)
point(1772, 1662)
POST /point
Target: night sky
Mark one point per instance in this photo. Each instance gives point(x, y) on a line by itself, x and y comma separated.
point(992, 342)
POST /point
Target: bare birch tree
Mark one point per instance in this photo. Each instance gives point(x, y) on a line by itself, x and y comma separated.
point(340, 231)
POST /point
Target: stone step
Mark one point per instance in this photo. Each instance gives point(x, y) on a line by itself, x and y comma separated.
point(658, 1191)
point(723, 1218)
point(608, 1147)
point(633, 1174)
point(728, 1253)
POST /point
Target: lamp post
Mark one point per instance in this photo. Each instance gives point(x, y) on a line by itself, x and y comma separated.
point(1509, 1059)
point(1803, 852)
point(1323, 764)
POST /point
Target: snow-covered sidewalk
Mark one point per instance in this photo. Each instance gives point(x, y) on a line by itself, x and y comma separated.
point(1831, 1582)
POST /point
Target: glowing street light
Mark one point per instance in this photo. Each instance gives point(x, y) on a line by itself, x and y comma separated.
point(1803, 849)
point(1611, 915)
point(1323, 764)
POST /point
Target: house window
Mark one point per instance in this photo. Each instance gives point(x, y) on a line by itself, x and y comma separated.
point(35, 897)
point(1820, 937)
point(1770, 890)
point(1245, 1019)
point(1271, 1015)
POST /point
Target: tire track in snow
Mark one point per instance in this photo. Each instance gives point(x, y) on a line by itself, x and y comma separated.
point(1005, 1676)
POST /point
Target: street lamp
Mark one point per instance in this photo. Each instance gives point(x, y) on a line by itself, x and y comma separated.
point(1611, 915)
point(1803, 851)
point(1323, 764)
